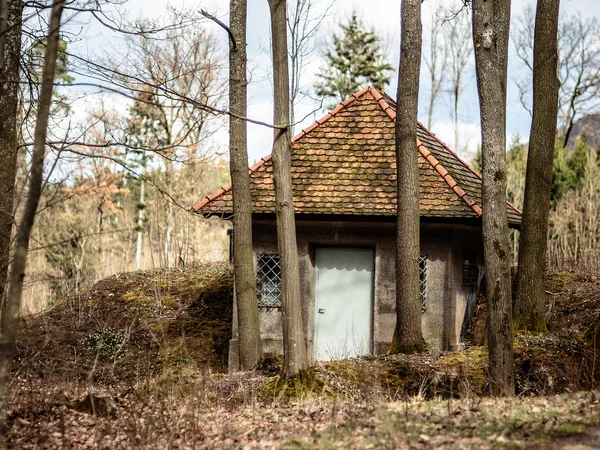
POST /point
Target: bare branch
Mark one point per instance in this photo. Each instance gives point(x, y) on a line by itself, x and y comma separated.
point(222, 25)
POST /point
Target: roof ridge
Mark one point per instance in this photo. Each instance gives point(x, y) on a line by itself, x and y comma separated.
point(439, 168)
point(222, 190)
point(446, 176)
point(455, 154)
point(463, 162)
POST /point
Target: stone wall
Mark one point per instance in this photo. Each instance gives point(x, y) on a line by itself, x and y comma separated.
point(465, 240)
point(443, 245)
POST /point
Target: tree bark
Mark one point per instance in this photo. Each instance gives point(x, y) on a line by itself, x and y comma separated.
point(491, 20)
point(407, 335)
point(530, 306)
point(10, 312)
point(249, 340)
point(10, 27)
point(294, 345)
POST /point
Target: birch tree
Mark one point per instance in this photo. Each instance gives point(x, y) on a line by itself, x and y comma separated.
point(491, 22)
point(303, 25)
point(249, 340)
point(407, 335)
point(458, 40)
point(294, 346)
point(436, 59)
point(11, 307)
point(530, 304)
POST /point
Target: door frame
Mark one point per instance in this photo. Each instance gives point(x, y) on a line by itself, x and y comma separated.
point(315, 248)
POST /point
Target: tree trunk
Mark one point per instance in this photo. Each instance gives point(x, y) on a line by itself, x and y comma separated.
point(491, 19)
point(10, 50)
point(140, 226)
point(294, 345)
point(407, 335)
point(456, 94)
point(249, 340)
point(530, 306)
point(10, 313)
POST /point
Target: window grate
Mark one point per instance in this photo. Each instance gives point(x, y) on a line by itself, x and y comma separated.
point(268, 281)
point(423, 282)
point(470, 271)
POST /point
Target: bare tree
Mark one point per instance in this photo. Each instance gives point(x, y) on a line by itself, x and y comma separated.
point(294, 345)
point(491, 20)
point(10, 312)
point(435, 59)
point(249, 340)
point(168, 74)
point(407, 335)
point(578, 65)
point(10, 50)
point(575, 219)
point(63, 144)
point(530, 306)
point(458, 41)
point(303, 25)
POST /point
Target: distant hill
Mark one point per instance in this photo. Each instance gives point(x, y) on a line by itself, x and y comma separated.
point(589, 126)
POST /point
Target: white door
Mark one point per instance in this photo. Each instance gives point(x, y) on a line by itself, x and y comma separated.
point(343, 303)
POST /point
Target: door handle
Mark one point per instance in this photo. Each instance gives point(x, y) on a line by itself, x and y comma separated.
point(321, 311)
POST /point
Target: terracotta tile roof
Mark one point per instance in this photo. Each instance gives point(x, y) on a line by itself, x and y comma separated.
point(345, 164)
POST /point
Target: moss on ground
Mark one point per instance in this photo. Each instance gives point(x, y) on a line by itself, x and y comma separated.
point(161, 335)
point(167, 319)
point(143, 325)
point(277, 388)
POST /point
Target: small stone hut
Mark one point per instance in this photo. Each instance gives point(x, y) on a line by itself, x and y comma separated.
point(344, 185)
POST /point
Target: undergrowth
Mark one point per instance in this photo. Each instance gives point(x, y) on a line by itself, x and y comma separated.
point(153, 346)
point(132, 326)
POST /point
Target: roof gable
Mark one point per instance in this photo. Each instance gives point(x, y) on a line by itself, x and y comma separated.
point(345, 164)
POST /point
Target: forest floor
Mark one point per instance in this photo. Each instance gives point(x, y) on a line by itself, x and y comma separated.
point(137, 361)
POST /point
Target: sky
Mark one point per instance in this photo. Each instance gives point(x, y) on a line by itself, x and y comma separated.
point(381, 15)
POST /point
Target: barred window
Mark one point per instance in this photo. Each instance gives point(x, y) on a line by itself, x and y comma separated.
point(268, 281)
point(470, 270)
point(423, 282)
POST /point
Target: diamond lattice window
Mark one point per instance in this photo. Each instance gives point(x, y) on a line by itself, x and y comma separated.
point(423, 282)
point(268, 281)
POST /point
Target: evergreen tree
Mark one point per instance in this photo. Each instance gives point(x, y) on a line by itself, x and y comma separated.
point(577, 162)
point(355, 60)
point(516, 164)
point(562, 174)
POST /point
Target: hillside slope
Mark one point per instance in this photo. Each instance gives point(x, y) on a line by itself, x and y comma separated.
point(131, 364)
point(588, 126)
point(131, 326)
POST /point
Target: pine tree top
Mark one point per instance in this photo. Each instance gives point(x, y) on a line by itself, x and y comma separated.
point(354, 59)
